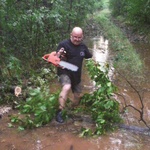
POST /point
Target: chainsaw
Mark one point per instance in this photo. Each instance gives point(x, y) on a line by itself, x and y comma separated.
point(56, 58)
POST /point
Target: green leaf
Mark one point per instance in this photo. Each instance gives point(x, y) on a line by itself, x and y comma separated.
point(10, 125)
point(109, 84)
point(13, 119)
point(20, 128)
point(102, 121)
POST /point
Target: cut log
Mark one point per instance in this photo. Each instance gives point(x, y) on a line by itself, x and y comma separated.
point(16, 90)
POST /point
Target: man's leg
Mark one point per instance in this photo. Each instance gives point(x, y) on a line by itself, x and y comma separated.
point(63, 95)
point(76, 98)
point(66, 86)
point(76, 95)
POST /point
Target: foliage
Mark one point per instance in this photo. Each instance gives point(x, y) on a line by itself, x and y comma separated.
point(12, 69)
point(85, 132)
point(101, 4)
point(31, 75)
point(30, 28)
point(39, 107)
point(137, 12)
point(118, 7)
point(100, 104)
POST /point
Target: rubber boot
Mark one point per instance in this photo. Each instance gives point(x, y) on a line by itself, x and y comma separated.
point(59, 117)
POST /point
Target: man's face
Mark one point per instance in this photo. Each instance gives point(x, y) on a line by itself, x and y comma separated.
point(76, 38)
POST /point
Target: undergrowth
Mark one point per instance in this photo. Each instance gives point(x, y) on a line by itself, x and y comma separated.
point(41, 105)
point(38, 109)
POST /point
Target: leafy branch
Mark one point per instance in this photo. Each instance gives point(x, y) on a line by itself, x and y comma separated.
point(103, 108)
point(39, 108)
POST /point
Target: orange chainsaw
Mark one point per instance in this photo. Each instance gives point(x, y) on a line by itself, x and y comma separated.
point(56, 59)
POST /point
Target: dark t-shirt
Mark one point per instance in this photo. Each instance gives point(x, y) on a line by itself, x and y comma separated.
point(74, 55)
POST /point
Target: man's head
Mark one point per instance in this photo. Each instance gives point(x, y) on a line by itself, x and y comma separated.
point(76, 35)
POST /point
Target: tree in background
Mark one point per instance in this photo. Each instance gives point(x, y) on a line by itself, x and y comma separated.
point(32, 27)
point(136, 11)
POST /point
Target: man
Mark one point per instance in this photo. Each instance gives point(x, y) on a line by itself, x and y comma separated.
point(75, 50)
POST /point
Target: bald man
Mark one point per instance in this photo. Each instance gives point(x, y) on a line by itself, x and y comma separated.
point(76, 50)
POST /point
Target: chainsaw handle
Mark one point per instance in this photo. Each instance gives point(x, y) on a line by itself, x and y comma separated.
point(52, 57)
point(45, 56)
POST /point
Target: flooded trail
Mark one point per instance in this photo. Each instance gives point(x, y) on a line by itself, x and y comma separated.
point(55, 136)
point(61, 137)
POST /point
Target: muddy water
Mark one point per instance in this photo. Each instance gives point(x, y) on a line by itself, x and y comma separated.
point(144, 51)
point(54, 136)
point(132, 97)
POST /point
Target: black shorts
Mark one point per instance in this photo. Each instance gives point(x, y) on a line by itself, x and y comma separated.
point(64, 79)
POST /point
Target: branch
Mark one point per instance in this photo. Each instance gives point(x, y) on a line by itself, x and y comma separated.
point(141, 112)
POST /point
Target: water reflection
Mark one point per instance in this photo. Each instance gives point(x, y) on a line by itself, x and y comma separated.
point(100, 49)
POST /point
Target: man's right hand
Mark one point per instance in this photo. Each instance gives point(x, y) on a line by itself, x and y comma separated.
point(61, 50)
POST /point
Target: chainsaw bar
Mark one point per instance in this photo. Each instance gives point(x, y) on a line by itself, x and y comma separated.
point(67, 65)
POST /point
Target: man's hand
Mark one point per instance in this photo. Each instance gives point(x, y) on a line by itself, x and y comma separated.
point(61, 50)
point(61, 54)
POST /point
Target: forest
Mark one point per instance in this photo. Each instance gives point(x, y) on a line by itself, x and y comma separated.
point(31, 28)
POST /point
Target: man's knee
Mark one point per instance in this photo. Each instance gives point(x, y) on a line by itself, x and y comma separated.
point(66, 87)
point(77, 95)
